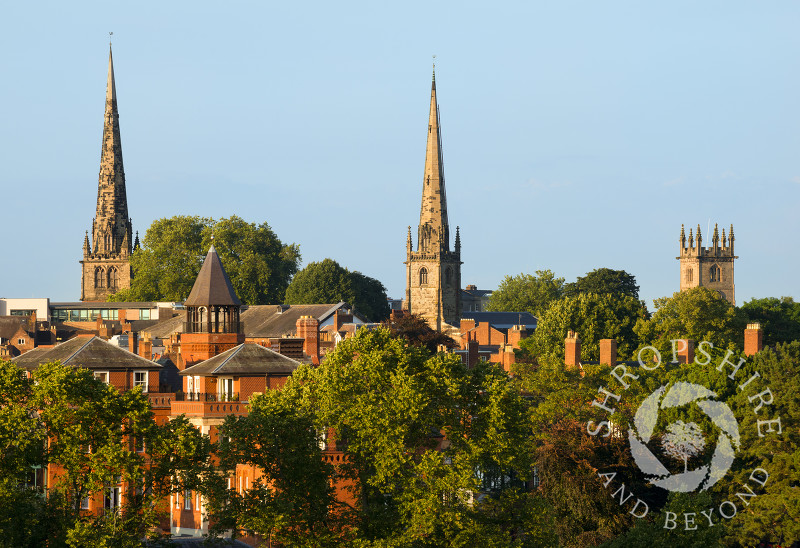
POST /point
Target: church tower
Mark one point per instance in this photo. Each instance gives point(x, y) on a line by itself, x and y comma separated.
point(710, 267)
point(433, 271)
point(106, 264)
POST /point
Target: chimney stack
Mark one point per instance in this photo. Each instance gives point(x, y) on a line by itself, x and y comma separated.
point(608, 352)
point(572, 348)
point(308, 330)
point(753, 339)
point(685, 350)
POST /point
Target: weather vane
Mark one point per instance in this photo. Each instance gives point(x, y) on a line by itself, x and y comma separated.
point(110, 34)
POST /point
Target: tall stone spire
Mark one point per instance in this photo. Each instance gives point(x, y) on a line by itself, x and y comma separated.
point(434, 230)
point(433, 272)
point(106, 262)
point(112, 227)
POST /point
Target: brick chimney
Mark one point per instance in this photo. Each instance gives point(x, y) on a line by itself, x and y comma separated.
point(608, 351)
point(516, 334)
point(308, 330)
point(685, 349)
point(146, 348)
point(753, 339)
point(572, 350)
point(340, 317)
point(132, 342)
point(472, 354)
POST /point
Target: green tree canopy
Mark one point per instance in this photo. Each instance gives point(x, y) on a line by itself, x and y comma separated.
point(84, 429)
point(416, 331)
point(526, 292)
point(700, 314)
point(604, 281)
point(780, 318)
point(260, 266)
point(593, 317)
point(329, 282)
point(413, 429)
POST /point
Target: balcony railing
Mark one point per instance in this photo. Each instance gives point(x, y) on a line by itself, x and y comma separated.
point(206, 396)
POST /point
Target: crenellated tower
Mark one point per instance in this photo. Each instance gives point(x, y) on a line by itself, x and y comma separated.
point(106, 264)
point(710, 267)
point(433, 271)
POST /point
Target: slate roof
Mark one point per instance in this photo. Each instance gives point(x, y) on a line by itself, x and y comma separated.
point(9, 325)
point(88, 352)
point(262, 320)
point(247, 359)
point(212, 286)
point(502, 320)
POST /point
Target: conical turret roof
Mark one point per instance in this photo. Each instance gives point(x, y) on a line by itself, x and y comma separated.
point(212, 286)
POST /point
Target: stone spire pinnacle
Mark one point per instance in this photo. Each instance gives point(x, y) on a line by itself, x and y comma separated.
point(111, 231)
point(434, 232)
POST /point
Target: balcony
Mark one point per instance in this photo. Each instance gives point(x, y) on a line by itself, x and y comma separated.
point(206, 397)
point(202, 408)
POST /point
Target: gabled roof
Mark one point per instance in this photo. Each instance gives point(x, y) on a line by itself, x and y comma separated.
point(212, 286)
point(247, 359)
point(88, 352)
point(502, 320)
point(9, 325)
point(262, 320)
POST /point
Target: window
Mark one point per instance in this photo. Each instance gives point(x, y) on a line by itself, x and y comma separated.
point(102, 376)
point(85, 503)
point(187, 500)
point(20, 341)
point(99, 278)
point(138, 443)
point(113, 278)
point(111, 498)
point(226, 389)
point(144, 313)
point(423, 276)
point(715, 274)
point(140, 379)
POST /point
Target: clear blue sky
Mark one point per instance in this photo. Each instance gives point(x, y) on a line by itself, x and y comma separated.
point(576, 135)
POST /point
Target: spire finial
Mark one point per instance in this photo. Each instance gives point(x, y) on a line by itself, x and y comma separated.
point(110, 34)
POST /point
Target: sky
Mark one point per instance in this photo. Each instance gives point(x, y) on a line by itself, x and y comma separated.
point(576, 134)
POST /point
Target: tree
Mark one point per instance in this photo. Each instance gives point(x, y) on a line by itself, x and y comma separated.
point(292, 501)
point(259, 265)
point(683, 441)
point(604, 281)
point(329, 282)
point(526, 292)
point(779, 318)
point(700, 314)
point(417, 332)
point(83, 431)
point(414, 429)
point(593, 317)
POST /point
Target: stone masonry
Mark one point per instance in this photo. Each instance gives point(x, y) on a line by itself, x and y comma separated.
point(710, 267)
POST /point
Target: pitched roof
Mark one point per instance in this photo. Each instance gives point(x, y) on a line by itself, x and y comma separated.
point(88, 352)
point(9, 325)
point(262, 320)
point(212, 286)
point(245, 359)
point(502, 320)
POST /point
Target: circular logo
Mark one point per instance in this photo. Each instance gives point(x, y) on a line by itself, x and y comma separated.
point(682, 440)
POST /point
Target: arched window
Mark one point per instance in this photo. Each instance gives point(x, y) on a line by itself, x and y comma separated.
point(423, 276)
point(99, 278)
point(715, 274)
point(113, 278)
point(689, 275)
point(201, 317)
point(448, 276)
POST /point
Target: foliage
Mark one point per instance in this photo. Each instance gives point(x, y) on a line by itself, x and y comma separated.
point(290, 503)
point(414, 428)
point(700, 314)
point(779, 318)
point(259, 265)
point(526, 292)
point(593, 317)
point(83, 430)
point(604, 281)
point(329, 282)
point(417, 332)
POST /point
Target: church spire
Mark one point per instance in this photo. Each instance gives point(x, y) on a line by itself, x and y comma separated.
point(111, 231)
point(434, 232)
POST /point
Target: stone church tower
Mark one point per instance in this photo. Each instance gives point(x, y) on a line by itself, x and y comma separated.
point(710, 267)
point(106, 264)
point(433, 272)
